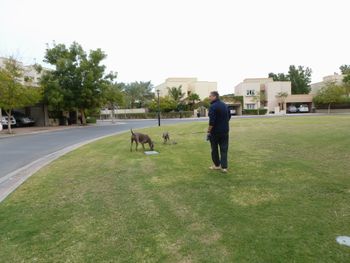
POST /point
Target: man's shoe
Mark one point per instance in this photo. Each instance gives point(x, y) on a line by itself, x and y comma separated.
point(224, 170)
point(213, 167)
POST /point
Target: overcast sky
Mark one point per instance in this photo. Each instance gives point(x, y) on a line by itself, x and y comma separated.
point(220, 40)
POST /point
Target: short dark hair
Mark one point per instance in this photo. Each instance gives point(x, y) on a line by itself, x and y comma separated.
point(215, 93)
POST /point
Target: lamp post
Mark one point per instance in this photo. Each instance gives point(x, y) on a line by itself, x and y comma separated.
point(158, 108)
point(0, 120)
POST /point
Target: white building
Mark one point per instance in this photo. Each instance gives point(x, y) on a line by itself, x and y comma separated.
point(252, 87)
point(30, 74)
point(188, 86)
point(31, 77)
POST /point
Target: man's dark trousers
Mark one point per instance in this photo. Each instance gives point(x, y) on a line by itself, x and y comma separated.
point(216, 141)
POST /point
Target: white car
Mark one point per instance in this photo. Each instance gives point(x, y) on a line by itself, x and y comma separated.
point(5, 119)
point(292, 109)
point(303, 108)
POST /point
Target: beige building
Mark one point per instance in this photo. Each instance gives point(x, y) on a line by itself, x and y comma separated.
point(252, 87)
point(336, 78)
point(188, 86)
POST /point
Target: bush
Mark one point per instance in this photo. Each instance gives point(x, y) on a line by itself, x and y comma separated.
point(91, 120)
point(254, 112)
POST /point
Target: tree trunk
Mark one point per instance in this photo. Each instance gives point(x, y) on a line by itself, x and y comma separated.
point(329, 108)
point(9, 129)
point(83, 119)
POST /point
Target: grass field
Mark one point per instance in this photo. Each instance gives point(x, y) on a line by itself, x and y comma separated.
point(285, 199)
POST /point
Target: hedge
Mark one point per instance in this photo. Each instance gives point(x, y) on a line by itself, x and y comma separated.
point(154, 115)
point(91, 120)
point(254, 112)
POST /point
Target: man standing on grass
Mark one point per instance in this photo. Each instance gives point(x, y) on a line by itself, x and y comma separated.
point(219, 117)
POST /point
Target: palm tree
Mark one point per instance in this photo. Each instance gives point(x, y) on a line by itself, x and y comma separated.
point(193, 97)
point(176, 93)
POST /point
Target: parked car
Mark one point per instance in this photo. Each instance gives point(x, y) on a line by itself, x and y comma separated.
point(22, 120)
point(292, 109)
point(303, 108)
point(5, 121)
point(233, 112)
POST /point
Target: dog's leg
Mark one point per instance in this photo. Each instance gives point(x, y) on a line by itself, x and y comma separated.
point(143, 146)
point(132, 142)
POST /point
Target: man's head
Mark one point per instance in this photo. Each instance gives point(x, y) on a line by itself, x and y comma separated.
point(213, 96)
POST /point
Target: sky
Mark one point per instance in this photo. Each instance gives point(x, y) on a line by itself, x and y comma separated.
point(218, 40)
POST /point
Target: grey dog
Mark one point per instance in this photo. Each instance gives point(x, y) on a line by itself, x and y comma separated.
point(140, 138)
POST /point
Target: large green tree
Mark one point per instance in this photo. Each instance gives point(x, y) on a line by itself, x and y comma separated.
point(330, 94)
point(78, 80)
point(16, 91)
point(300, 78)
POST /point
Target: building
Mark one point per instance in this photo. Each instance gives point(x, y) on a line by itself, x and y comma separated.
point(250, 88)
point(188, 86)
point(336, 78)
point(39, 112)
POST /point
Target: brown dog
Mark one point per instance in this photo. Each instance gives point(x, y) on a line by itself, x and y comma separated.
point(166, 137)
point(140, 138)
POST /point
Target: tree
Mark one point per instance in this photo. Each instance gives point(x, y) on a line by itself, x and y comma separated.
point(260, 98)
point(299, 77)
point(345, 70)
point(166, 104)
point(138, 93)
point(78, 79)
point(14, 94)
point(192, 98)
point(205, 103)
point(282, 96)
point(176, 93)
point(279, 76)
point(330, 94)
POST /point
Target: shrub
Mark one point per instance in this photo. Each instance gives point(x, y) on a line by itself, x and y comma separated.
point(254, 112)
point(91, 120)
point(154, 115)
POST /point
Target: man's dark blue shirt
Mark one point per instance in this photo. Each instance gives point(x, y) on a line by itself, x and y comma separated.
point(219, 117)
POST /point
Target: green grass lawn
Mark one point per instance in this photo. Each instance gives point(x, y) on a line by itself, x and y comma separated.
point(285, 199)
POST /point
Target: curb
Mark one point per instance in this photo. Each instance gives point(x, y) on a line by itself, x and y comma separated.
point(38, 132)
point(11, 181)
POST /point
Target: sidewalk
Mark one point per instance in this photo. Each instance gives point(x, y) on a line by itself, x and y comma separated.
point(34, 130)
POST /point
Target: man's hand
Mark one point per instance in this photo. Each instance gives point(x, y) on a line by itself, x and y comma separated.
point(208, 136)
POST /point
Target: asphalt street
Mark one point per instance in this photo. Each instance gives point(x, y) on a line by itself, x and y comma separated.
point(18, 151)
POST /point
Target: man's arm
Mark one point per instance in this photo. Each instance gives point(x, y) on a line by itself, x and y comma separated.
point(229, 113)
point(212, 118)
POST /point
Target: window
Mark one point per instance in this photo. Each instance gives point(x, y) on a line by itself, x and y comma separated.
point(250, 106)
point(250, 92)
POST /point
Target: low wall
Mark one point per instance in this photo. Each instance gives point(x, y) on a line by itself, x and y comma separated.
point(333, 110)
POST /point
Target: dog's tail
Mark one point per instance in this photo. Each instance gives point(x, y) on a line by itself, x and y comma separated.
point(132, 132)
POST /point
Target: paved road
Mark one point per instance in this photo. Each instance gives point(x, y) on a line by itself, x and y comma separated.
point(18, 151)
